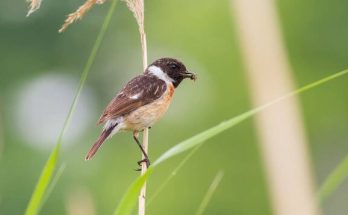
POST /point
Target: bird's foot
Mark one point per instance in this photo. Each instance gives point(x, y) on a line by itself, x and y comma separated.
point(147, 127)
point(146, 160)
point(142, 161)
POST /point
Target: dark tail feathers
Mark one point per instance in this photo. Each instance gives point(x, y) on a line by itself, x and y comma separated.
point(103, 136)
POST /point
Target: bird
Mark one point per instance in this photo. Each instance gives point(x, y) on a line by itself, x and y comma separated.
point(142, 102)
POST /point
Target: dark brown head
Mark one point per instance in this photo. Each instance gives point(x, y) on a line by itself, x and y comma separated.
point(170, 70)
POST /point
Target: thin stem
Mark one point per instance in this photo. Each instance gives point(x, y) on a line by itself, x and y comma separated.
point(2, 138)
point(137, 8)
point(210, 192)
point(335, 178)
point(142, 195)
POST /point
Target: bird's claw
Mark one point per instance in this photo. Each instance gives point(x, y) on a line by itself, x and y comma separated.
point(144, 160)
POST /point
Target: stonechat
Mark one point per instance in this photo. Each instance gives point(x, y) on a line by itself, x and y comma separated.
point(142, 102)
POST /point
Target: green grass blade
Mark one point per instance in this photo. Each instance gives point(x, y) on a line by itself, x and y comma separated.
point(43, 182)
point(46, 174)
point(335, 178)
point(210, 192)
point(172, 174)
point(130, 198)
point(54, 182)
point(205, 135)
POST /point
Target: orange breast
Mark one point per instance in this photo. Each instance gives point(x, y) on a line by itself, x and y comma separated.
point(147, 115)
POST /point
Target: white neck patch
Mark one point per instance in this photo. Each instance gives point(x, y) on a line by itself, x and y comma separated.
point(156, 71)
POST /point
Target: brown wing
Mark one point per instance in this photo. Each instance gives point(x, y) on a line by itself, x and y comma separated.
point(140, 91)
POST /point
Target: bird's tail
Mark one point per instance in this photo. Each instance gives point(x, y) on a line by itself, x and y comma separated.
point(103, 136)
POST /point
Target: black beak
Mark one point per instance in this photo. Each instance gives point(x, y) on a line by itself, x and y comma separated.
point(187, 74)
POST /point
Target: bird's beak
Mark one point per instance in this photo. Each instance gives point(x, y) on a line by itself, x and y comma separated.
point(190, 75)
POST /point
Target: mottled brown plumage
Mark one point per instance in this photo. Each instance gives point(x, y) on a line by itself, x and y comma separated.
point(147, 86)
point(142, 102)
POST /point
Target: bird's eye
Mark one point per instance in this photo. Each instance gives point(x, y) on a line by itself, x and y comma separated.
point(173, 66)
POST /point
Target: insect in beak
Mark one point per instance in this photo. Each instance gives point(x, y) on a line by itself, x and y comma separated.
point(187, 74)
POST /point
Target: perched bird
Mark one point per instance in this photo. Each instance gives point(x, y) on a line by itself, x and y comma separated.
point(143, 101)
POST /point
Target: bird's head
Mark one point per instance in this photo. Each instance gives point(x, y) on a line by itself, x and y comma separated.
point(170, 70)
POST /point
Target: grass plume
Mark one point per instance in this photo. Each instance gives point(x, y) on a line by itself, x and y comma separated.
point(79, 13)
point(33, 6)
point(137, 8)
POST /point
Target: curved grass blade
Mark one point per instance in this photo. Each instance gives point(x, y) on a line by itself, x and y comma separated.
point(210, 192)
point(172, 174)
point(335, 178)
point(128, 200)
point(54, 182)
point(43, 182)
point(207, 134)
point(46, 174)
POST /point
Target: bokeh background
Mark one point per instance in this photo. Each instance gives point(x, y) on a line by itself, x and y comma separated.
point(39, 73)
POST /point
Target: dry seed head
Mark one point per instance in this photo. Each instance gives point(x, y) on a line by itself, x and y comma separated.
point(100, 1)
point(33, 6)
point(137, 7)
point(79, 13)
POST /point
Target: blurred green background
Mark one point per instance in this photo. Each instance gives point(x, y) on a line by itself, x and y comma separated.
point(39, 73)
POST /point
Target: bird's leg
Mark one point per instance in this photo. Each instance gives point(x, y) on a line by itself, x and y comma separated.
point(146, 159)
